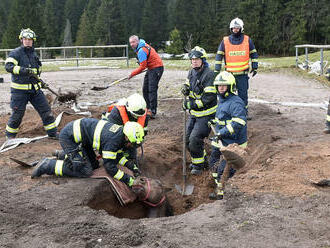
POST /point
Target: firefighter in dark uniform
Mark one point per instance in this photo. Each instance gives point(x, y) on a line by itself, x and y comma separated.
point(237, 49)
point(133, 108)
point(327, 129)
point(230, 125)
point(81, 137)
point(24, 65)
point(201, 102)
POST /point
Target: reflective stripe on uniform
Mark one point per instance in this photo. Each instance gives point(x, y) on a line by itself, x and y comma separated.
point(11, 60)
point(123, 161)
point(16, 69)
point(11, 130)
point(218, 62)
point(97, 134)
point(21, 86)
point(50, 126)
point(109, 155)
point(59, 168)
point(253, 51)
point(210, 89)
point(197, 160)
point(199, 103)
point(204, 112)
point(328, 117)
point(254, 60)
point(119, 175)
point(243, 145)
point(77, 131)
point(220, 52)
point(239, 120)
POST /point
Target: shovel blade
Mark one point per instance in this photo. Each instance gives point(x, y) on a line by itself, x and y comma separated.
point(189, 189)
point(99, 88)
point(23, 163)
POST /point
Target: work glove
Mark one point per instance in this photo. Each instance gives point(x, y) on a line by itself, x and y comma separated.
point(253, 72)
point(32, 71)
point(212, 122)
point(185, 90)
point(43, 84)
point(186, 105)
point(133, 167)
point(130, 182)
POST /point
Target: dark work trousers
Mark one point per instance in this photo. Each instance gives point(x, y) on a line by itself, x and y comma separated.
point(81, 159)
point(19, 100)
point(242, 83)
point(197, 131)
point(150, 87)
point(219, 165)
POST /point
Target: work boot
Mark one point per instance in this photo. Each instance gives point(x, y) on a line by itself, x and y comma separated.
point(59, 154)
point(151, 114)
point(218, 193)
point(45, 166)
point(54, 137)
point(196, 170)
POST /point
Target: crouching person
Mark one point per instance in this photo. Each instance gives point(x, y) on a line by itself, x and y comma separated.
point(230, 125)
point(81, 137)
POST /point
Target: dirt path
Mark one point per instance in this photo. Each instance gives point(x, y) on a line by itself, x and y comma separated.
point(269, 203)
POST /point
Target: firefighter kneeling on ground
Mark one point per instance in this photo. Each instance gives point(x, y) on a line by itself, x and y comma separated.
point(201, 104)
point(230, 125)
point(24, 66)
point(133, 108)
point(81, 137)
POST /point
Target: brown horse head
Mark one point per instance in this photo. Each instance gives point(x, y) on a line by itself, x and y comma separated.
point(149, 190)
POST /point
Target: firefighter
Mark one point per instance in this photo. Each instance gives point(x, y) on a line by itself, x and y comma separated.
point(81, 137)
point(25, 67)
point(236, 50)
point(327, 129)
point(201, 102)
point(230, 125)
point(147, 58)
point(131, 109)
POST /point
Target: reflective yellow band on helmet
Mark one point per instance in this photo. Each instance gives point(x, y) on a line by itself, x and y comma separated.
point(197, 160)
point(77, 131)
point(199, 103)
point(123, 161)
point(11, 130)
point(109, 155)
point(50, 126)
point(220, 52)
point(16, 69)
point(218, 62)
point(253, 51)
point(119, 175)
point(97, 134)
point(230, 128)
point(237, 63)
point(204, 112)
point(59, 168)
point(210, 89)
point(328, 117)
point(239, 120)
point(244, 145)
point(11, 60)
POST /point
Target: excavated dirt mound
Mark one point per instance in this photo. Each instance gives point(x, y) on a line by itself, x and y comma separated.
point(269, 201)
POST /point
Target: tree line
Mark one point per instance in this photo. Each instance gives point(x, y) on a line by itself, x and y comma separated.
point(274, 25)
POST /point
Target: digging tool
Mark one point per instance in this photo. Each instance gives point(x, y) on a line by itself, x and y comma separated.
point(99, 88)
point(186, 189)
point(24, 164)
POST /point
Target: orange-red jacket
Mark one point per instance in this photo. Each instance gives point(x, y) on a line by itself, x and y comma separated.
point(237, 56)
point(124, 116)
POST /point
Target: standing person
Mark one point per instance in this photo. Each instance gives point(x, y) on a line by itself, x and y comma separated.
point(201, 102)
point(24, 65)
point(236, 50)
point(81, 137)
point(148, 59)
point(327, 129)
point(230, 125)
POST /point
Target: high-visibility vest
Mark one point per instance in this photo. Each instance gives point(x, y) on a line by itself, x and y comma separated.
point(123, 114)
point(237, 56)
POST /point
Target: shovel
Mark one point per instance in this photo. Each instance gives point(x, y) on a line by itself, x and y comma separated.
point(24, 164)
point(186, 189)
point(99, 88)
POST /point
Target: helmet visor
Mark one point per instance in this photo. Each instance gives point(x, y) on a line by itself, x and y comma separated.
point(139, 112)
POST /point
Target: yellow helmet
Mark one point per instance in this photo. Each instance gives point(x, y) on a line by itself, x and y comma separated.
point(134, 132)
point(28, 34)
point(197, 53)
point(226, 78)
point(136, 105)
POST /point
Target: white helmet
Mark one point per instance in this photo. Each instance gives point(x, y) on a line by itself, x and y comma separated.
point(136, 105)
point(237, 23)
